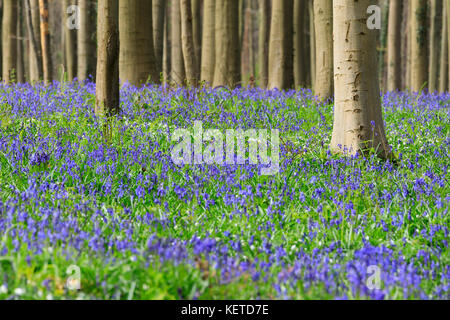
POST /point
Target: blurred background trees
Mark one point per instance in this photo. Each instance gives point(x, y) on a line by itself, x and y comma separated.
point(267, 43)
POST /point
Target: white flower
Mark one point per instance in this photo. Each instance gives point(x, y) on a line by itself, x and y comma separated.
point(19, 291)
point(49, 297)
point(3, 289)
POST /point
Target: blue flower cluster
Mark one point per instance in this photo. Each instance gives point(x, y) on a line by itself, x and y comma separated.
point(315, 229)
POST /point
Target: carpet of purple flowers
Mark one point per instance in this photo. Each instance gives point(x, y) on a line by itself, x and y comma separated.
point(108, 199)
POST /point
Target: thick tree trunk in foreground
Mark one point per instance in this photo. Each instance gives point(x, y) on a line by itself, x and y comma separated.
point(443, 65)
point(9, 41)
point(83, 41)
point(263, 42)
point(159, 18)
point(227, 64)
point(281, 45)
point(323, 25)
point(187, 42)
point(419, 58)
point(207, 60)
point(177, 71)
point(45, 42)
point(137, 56)
point(394, 46)
point(33, 30)
point(107, 90)
point(358, 123)
point(436, 9)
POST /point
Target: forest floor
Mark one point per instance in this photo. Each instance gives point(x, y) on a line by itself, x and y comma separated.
point(106, 205)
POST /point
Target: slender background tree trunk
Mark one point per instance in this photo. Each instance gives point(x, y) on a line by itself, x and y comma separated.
point(9, 41)
point(436, 10)
point(419, 58)
point(323, 25)
point(207, 60)
point(45, 42)
point(33, 29)
point(247, 62)
point(20, 74)
point(281, 45)
point(197, 31)
point(312, 43)
point(443, 65)
point(83, 41)
point(190, 62)
point(167, 47)
point(263, 42)
point(70, 47)
point(299, 42)
point(448, 42)
point(394, 46)
point(177, 71)
point(159, 9)
point(107, 89)
point(227, 62)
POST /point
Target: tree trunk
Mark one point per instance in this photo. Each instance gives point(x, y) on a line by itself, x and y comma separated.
point(197, 31)
point(263, 42)
point(1, 46)
point(323, 25)
point(227, 64)
point(83, 41)
point(107, 89)
point(45, 42)
point(207, 61)
point(159, 10)
point(358, 123)
point(312, 42)
point(20, 74)
point(281, 45)
point(299, 42)
point(382, 45)
point(394, 45)
point(406, 30)
point(9, 41)
point(178, 73)
point(187, 41)
point(419, 59)
point(247, 70)
point(436, 9)
point(70, 46)
point(137, 56)
point(443, 65)
point(448, 41)
point(33, 24)
point(166, 47)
